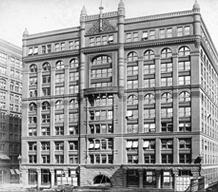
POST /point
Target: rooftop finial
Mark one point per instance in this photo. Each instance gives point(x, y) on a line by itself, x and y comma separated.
point(121, 8)
point(26, 32)
point(121, 4)
point(83, 11)
point(196, 6)
point(101, 8)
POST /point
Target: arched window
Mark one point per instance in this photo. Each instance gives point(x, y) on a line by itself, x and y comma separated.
point(45, 106)
point(132, 56)
point(74, 63)
point(59, 65)
point(59, 104)
point(2, 83)
point(101, 60)
point(73, 103)
point(166, 53)
point(148, 55)
point(32, 107)
point(184, 96)
point(166, 98)
point(33, 68)
point(184, 51)
point(149, 99)
point(102, 179)
point(46, 67)
point(132, 100)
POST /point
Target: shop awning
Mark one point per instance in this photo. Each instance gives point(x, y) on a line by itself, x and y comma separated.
point(4, 157)
point(17, 171)
point(12, 171)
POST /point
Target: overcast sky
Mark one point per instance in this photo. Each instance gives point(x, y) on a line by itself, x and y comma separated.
point(45, 15)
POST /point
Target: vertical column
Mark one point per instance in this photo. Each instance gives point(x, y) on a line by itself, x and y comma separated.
point(52, 118)
point(157, 94)
point(53, 78)
point(82, 74)
point(175, 151)
point(39, 82)
point(39, 118)
point(38, 152)
point(124, 178)
point(52, 177)
point(175, 176)
point(66, 152)
point(175, 110)
point(158, 111)
point(52, 149)
point(140, 151)
point(24, 177)
point(140, 112)
point(66, 77)
point(39, 178)
point(158, 151)
point(175, 69)
point(66, 116)
point(175, 93)
point(158, 177)
point(140, 178)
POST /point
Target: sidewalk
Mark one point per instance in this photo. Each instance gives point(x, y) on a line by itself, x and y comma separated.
point(12, 188)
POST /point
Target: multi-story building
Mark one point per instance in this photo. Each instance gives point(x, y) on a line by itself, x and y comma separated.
point(124, 102)
point(10, 111)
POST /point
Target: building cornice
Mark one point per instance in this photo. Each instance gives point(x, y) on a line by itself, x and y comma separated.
point(159, 16)
point(52, 33)
point(10, 48)
point(53, 55)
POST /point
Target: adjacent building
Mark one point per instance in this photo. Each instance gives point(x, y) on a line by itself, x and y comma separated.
point(121, 102)
point(10, 111)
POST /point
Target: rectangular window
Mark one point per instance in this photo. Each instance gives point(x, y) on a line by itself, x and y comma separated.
point(186, 30)
point(167, 158)
point(135, 36)
point(144, 35)
point(162, 33)
point(151, 35)
point(149, 158)
point(45, 131)
point(128, 37)
point(149, 83)
point(169, 32)
point(179, 31)
point(166, 112)
point(59, 159)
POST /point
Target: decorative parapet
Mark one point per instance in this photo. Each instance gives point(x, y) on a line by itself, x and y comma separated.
point(51, 33)
point(104, 15)
point(159, 16)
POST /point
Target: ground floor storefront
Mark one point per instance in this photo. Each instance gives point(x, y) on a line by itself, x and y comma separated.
point(48, 177)
point(142, 177)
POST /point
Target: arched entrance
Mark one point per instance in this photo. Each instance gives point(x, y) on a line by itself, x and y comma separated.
point(102, 180)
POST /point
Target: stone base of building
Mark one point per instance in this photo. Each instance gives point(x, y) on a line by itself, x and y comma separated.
point(139, 176)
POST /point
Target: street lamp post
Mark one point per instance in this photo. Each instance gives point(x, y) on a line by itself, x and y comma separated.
point(19, 160)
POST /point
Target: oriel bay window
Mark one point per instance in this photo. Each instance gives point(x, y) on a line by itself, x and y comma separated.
point(100, 144)
point(100, 115)
point(149, 127)
point(132, 70)
point(45, 146)
point(101, 158)
point(149, 178)
point(149, 113)
point(100, 128)
point(166, 126)
point(132, 128)
point(45, 118)
point(184, 126)
point(101, 100)
point(32, 158)
point(45, 158)
point(166, 112)
point(149, 151)
point(132, 151)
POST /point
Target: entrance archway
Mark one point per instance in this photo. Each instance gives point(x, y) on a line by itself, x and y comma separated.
point(102, 180)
